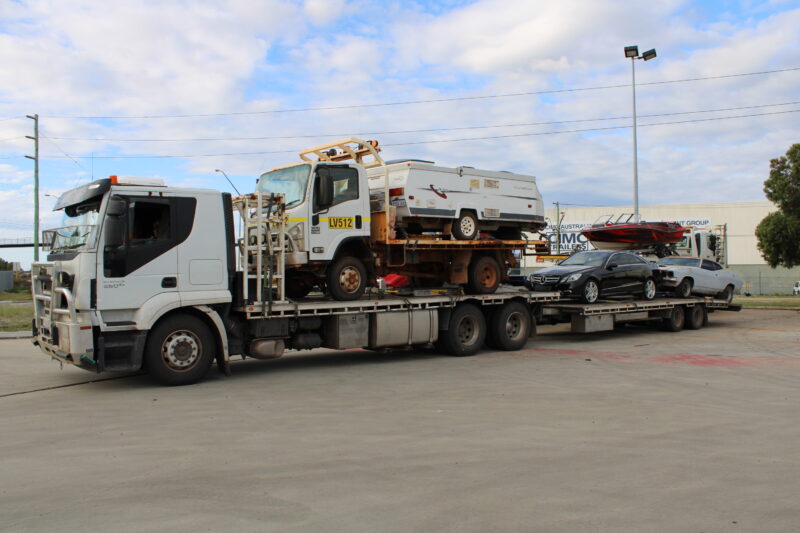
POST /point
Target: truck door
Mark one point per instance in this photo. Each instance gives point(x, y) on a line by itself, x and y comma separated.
point(142, 262)
point(345, 214)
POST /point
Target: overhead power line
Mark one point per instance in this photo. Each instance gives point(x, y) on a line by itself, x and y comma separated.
point(434, 141)
point(427, 130)
point(411, 102)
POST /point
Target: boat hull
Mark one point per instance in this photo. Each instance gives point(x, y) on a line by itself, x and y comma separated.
point(633, 236)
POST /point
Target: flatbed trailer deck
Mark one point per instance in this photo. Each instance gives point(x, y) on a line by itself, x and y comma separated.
point(675, 313)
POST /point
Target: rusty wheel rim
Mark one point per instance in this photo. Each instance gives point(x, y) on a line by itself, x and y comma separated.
point(488, 276)
point(350, 279)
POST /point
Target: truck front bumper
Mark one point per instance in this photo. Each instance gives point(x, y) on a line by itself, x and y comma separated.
point(69, 342)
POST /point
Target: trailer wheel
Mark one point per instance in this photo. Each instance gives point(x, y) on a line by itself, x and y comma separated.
point(466, 331)
point(726, 294)
point(590, 291)
point(179, 350)
point(684, 288)
point(483, 276)
point(649, 290)
point(347, 278)
point(676, 319)
point(465, 228)
point(697, 317)
point(509, 327)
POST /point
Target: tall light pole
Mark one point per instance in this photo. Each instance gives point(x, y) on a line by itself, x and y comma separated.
point(633, 53)
point(229, 180)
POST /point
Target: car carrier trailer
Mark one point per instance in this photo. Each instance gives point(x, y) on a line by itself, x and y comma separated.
point(144, 276)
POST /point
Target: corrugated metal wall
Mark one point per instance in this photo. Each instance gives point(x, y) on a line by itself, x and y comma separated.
point(6, 280)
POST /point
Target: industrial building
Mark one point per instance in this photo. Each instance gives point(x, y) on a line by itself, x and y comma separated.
point(739, 219)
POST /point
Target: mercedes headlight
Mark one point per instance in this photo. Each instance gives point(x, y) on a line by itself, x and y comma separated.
point(573, 277)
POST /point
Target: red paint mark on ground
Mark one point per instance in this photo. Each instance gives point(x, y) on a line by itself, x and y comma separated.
point(706, 360)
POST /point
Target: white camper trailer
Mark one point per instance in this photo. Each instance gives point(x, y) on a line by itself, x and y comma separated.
point(431, 198)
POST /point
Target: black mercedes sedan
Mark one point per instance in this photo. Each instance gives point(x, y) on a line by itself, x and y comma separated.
point(597, 274)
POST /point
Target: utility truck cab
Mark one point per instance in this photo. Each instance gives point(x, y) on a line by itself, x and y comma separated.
point(327, 228)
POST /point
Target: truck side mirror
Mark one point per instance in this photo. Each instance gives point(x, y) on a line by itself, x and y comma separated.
point(324, 188)
point(114, 232)
point(115, 222)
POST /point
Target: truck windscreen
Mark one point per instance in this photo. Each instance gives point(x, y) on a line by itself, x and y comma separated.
point(292, 182)
point(77, 228)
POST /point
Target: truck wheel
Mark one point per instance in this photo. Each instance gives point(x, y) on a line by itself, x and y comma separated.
point(466, 331)
point(697, 317)
point(465, 228)
point(509, 327)
point(483, 276)
point(179, 350)
point(590, 292)
point(649, 291)
point(727, 294)
point(684, 288)
point(347, 278)
point(676, 319)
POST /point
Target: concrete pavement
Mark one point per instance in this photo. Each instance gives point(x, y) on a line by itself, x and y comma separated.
point(632, 430)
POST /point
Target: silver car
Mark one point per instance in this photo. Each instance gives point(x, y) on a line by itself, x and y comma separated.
point(689, 275)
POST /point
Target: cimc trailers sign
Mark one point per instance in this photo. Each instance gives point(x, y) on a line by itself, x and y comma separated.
point(570, 233)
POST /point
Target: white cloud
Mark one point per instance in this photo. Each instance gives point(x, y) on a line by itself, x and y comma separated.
point(323, 11)
point(181, 57)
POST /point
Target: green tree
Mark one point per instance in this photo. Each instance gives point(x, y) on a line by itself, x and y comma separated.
point(779, 233)
point(4, 265)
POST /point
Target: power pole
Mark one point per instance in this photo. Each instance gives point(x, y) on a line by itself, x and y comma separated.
point(35, 138)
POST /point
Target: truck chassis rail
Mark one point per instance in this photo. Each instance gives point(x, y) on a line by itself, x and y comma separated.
point(326, 307)
point(610, 307)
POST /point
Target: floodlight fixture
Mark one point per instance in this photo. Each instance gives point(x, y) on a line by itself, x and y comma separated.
point(650, 54)
point(631, 51)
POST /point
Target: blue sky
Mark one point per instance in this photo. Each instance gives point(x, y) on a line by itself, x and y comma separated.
point(65, 58)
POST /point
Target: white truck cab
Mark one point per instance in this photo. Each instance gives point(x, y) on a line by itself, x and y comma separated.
point(129, 251)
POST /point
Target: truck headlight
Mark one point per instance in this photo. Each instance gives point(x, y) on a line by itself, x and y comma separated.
point(573, 277)
point(296, 237)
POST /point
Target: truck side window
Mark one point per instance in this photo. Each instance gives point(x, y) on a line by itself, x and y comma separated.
point(149, 221)
point(345, 184)
point(153, 227)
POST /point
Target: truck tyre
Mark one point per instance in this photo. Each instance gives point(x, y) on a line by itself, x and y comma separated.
point(465, 228)
point(590, 292)
point(684, 288)
point(676, 319)
point(726, 294)
point(179, 350)
point(696, 318)
point(347, 278)
point(649, 290)
point(466, 332)
point(483, 276)
point(509, 327)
